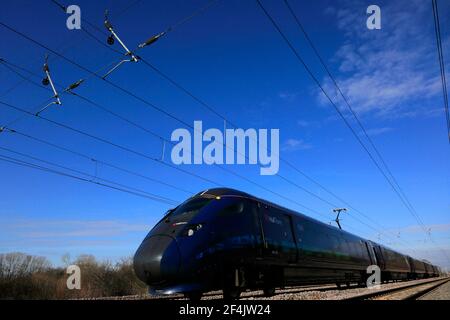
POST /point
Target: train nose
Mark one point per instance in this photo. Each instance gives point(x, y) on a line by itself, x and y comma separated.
point(157, 260)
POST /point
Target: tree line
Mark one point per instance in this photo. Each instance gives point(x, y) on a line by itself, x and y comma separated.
point(24, 276)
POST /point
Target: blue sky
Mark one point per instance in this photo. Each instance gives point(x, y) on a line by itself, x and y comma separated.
point(232, 58)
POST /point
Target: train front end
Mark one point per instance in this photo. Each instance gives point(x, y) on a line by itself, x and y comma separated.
point(159, 260)
point(176, 255)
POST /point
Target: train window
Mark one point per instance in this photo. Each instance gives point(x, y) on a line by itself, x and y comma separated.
point(237, 224)
point(338, 246)
point(277, 229)
point(234, 208)
point(335, 245)
point(314, 241)
point(356, 253)
point(191, 207)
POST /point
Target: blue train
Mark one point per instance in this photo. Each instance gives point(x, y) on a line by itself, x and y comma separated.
point(229, 240)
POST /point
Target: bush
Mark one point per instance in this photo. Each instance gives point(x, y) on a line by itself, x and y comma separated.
point(28, 277)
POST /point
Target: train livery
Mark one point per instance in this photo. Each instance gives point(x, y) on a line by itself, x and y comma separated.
point(224, 239)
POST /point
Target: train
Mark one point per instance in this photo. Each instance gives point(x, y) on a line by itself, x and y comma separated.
point(228, 240)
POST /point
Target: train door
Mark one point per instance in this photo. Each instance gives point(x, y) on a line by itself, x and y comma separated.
point(412, 267)
point(379, 257)
point(278, 236)
point(371, 253)
point(259, 232)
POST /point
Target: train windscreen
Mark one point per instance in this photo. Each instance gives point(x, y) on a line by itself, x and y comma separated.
point(190, 208)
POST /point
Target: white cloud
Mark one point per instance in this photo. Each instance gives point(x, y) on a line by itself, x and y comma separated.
point(377, 131)
point(437, 256)
point(294, 145)
point(445, 227)
point(391, 72)
point(303, 123)
point(288, 96)
point(67, 229)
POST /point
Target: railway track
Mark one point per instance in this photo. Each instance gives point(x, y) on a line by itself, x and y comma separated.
point(217, 295)
point(388, 291)
point(213, 295)
point(410, 291)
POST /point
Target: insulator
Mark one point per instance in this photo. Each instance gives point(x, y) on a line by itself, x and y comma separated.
point(110, 40)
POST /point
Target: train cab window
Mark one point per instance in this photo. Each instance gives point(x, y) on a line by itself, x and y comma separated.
point(234, 208)
point(190, 207)
point(236, 223)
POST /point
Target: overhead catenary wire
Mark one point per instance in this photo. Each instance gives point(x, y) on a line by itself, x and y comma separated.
point(116, 14)
point(92, 177)
point(437, 30)
point(124, 91)
point(153, 38)
point(105, 141)
point(144, 101)
point(10, 66)
point(170, 28)
point(239, 176)
point(214, 111)
point(126, 8)
point(152, 66)
point(81, 97)
point(400, 193)
point(86, 69)
point(19, 83)
point(154, 159)
point(347, 103)
point(345, 99)
point(4, 63)
point(97, 161)
point(138, 153)
point(171, 142)
point(245, 178)
point(180, 87)
point(118, 188)
point(22, 163)
point(210, 108)
point(306, 67)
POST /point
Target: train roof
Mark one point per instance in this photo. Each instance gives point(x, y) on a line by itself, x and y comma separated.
point(233, 192)
point(225, 192)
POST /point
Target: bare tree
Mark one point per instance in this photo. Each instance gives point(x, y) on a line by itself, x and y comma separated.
point(16, 264)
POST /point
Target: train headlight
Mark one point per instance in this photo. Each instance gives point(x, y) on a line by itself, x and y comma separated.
point(192, 229)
